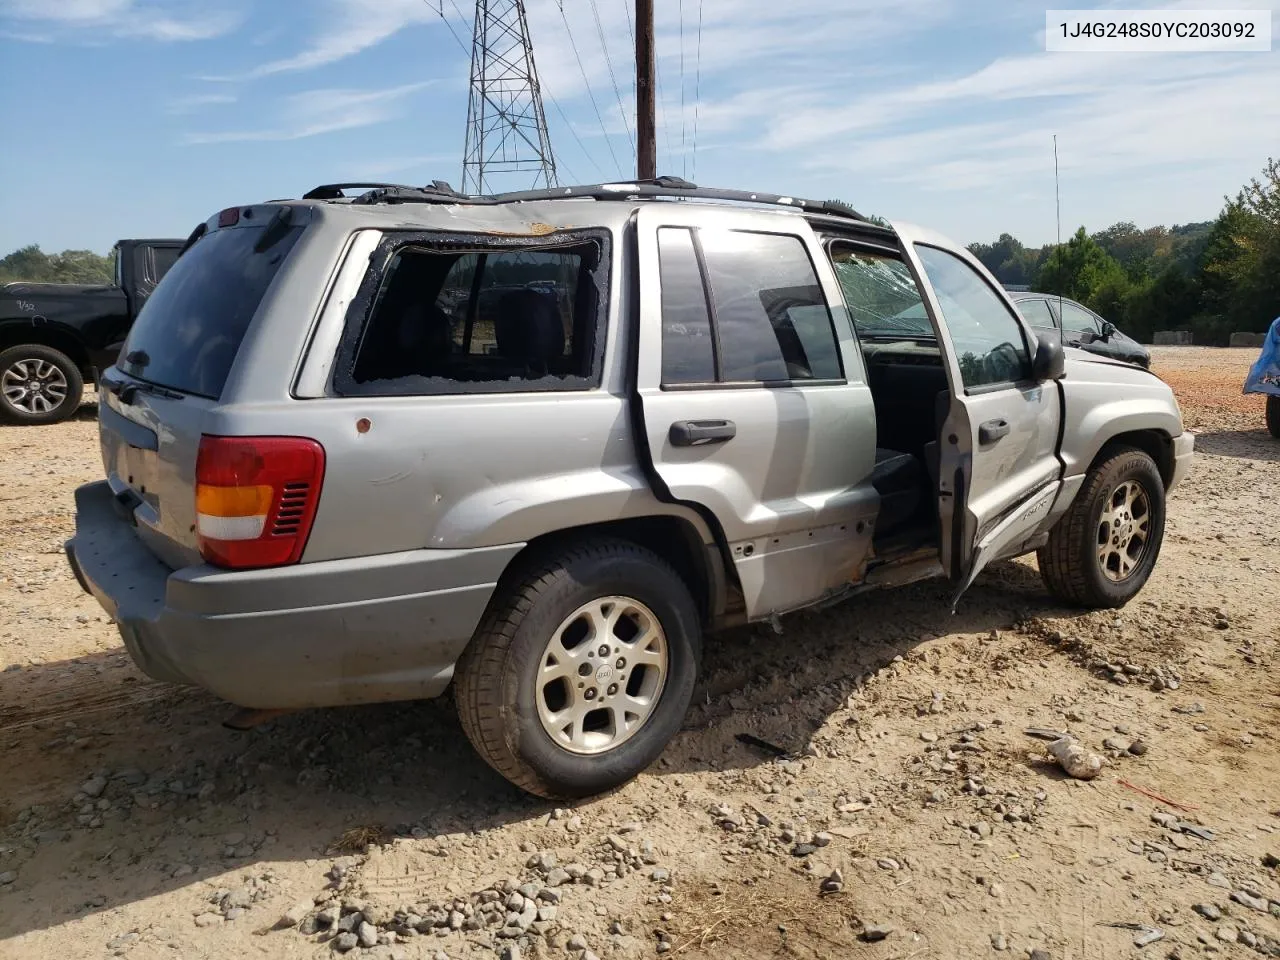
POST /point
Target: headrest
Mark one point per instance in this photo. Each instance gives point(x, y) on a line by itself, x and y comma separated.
point(528, 326)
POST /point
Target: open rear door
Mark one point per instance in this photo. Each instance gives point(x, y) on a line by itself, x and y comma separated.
point(754, 408)
point(999, 472)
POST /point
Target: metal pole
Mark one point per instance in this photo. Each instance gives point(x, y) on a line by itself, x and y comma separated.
point(646, 117)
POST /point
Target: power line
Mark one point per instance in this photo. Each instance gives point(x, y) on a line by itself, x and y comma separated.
point(697, 98)
point(590, 93)
point(592, 160)
point(452, 32)
point(622, 111)
point(684, 153)
point(666, 134)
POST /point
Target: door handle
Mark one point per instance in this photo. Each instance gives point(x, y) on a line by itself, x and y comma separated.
point(697, 433)
point(992, 430)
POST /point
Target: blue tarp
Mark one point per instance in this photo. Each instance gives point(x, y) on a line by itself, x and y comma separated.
point(1264, 376)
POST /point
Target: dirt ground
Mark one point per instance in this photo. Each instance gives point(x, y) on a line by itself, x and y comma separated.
point(133, 824)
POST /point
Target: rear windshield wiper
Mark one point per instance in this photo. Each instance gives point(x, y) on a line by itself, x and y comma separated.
point(126, 390)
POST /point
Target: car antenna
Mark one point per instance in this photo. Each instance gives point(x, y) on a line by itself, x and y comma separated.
point(1057, 202)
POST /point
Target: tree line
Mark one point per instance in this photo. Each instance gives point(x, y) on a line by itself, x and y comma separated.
point(33, 265)
point(1212, 278)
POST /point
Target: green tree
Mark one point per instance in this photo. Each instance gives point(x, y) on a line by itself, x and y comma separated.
point(1240, 266)
point(1007, 259)
point(1083, 271)
point(1140, 252)
point(33, 265)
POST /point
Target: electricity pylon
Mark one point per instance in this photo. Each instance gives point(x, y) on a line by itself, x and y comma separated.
point(506, 126)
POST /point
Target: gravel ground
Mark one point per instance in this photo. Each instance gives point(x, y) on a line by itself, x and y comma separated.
point(910, 815)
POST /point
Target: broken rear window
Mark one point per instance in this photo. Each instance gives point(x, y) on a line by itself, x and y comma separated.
point(459, 318)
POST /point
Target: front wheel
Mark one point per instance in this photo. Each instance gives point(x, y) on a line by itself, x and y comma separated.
point(1273, 416)
point(581, 672)
point(38, 384)
point(1102, 551)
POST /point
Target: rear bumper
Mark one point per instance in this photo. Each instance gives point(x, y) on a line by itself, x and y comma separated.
point(360, 630)
point(1183, 452)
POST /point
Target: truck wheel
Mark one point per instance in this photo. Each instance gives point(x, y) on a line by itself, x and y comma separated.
point(581, 672)
point(1104, 548)
point(1273, 416)
point(38, 384)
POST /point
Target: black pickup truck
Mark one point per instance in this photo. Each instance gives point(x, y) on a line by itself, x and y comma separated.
point(55, 337)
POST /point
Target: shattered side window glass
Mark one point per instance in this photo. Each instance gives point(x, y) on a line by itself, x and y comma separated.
point(481, 316)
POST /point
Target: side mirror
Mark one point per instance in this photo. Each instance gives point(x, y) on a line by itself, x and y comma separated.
point(1108, 330)
point(1050, 362)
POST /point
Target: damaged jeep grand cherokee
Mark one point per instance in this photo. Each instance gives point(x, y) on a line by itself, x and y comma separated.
point(536, 446)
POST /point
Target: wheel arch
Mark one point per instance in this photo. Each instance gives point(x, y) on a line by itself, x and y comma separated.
point(686, 544)
point(1155, 443)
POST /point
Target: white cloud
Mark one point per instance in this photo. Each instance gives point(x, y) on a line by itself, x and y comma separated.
point(315, 112)
point(349, 27)
point(196, 101)
point(91, 19)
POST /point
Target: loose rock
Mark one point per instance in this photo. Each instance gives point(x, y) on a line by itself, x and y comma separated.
point(294, 915)
point(1208, 911)
point(1247, 899)
point(834, 883)
point(875, 933)
point(1078, 762)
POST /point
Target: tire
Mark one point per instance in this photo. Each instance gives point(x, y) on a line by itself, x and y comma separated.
point(1070, 563)
point(499, 700)
point(1273, 416)
point(60, 385)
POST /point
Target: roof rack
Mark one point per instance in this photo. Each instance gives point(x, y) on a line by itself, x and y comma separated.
point(333, 191)
point(659, 188)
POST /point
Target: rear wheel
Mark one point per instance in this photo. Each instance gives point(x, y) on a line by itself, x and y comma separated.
point(38, 384)
point(1273, 416)
point(1102, 551)
point(582, 672)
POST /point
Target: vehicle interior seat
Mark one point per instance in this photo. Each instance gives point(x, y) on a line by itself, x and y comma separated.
point(529, 331)
point(899, 479)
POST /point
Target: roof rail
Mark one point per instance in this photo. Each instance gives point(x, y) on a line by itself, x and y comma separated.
point(659, 188)
point(675, 187)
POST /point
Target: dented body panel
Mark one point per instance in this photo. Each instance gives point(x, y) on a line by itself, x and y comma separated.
point(434, 491)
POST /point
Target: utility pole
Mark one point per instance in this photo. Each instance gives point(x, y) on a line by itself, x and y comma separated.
point(646, 118)
point(506, 127)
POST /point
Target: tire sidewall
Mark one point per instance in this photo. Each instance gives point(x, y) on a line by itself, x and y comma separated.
point(75, 385)
point(578, 583)
point(1135, 465)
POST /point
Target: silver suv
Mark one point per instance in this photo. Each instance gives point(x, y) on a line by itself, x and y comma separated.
point(538, 445)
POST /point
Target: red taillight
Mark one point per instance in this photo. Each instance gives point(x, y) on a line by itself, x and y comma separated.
point(256, 498)
point(229, 217)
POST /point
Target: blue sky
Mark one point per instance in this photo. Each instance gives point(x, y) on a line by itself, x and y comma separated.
point(142, 117)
